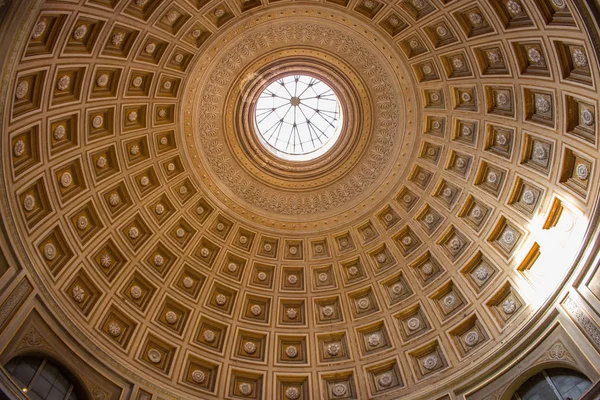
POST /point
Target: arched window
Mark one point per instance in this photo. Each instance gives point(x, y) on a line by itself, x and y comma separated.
point(40, 378)
point(553, 384)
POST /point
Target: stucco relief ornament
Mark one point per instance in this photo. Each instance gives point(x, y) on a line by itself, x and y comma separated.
point(98, 121)
point(101, 162)
point(559, 4)
point(49, 252)
point(114, 199)
point(171, 317)
point(501, 139)
point(471, 338)
point(262, 276)
point(430, 362)
point(353, 271)
point(135, 292)
point(542, 104)
point(407, 240)
point(221, 299)
point(63, 83)
point(245, 388)
point(167, 85)
point(328, 311)
point(179, 58)
point(333, 349)
point(82, 223)
point(80, 32)
point(292, 279)
point(381, 258)
point(323, 277)
point(132, 116)
point(204, 252)
point(587, 117)
point(256, 310)
point(476, 18)
point(180, 233)
point(374, 340)
point(534, 55)
point(172, 16)
point(579, 58)
point(413, 324)
point(141, 3)
point(429, 219)
point(117, 39)
point(22, 90)
point(219, 12)
point(232, 267)
point(159, 260)
point(503, 99)
point(467, 131)
point(457, 63)
point(435, 97)
point(292, 393)
point(385, 380)
point(582, 172)
point(427, 268)
point(106, 260)
point(133, 233)
point(557, 351)
point(196, 33)
point(267, 247)
point(509, 306)
point(455, 244)
point(528, 197)
point(114, 329)
point(102, 80)
point(492, 177)
point(494, 57)
point(154, 356)
point(394, 21)
point(441, 31)
point(250, 347)
point(188, 282)
point(78, 294)
point(419, 4)
point(369, 4)
point(144, 181)
point(209, 336)
point(66, 179)
point(447, 192)
point(39, 29)
point(198, 376)
point(482, 273)
point(137, 82)
point(150, 48)
point(363, 303)
point(291, 351)
point(397, 288)
point(19, 148)
point(477, 212)
point(436, 125)
point(427, 70)
point(134, 150)
point(449, 301)
point(514, 7)
point(291, 313)
point(162, 113)
point(318, 249)
point(540, 152)
point(466, 97)
point(243, 239)
point(339, 389)
point(509, 237)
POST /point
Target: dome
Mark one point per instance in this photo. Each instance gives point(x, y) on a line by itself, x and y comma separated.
point(344, 199)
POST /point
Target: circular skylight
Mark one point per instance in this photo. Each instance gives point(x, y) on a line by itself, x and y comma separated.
point(298, 117)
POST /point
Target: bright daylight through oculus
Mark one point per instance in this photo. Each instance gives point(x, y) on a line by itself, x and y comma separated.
point(298, 117)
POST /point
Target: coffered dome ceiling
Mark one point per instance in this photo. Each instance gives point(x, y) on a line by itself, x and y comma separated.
point(402, 262)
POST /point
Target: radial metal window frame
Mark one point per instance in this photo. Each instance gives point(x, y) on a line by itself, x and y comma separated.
point(298, 117)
